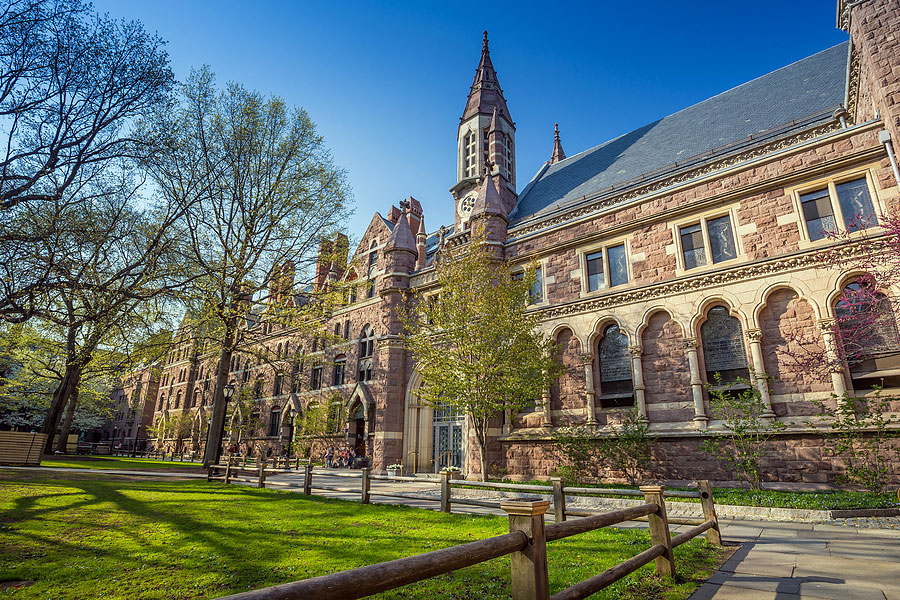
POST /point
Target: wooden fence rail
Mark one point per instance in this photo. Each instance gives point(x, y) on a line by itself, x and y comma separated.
point(526, 545)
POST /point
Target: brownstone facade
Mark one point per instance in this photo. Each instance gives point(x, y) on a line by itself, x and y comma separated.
point(666, 255)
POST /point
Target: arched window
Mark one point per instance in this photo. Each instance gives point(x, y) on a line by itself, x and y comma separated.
point(258, 388)
point(723, 348)
point(196, 400)
point(616, 387)
point(366, 350)
point(373, 265)
point(869, 335)
point(178, 400)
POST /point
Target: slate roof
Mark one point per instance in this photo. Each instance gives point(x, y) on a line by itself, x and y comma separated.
point(789, 99)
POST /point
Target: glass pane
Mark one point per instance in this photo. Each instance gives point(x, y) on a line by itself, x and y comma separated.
point(692, 246)
point(618, 268)
point(615, 360)
point(721, 239)
point(818, 214)
point(595, 271)
point(856, 205)
point(723, 344)
point(537, 289)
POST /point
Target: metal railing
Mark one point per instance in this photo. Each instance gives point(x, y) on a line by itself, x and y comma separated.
point(526, 545)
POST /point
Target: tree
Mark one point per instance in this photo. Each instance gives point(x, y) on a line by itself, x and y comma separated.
point(743, 446)
point(72, 84)
point(629, 450)
point(476, 344)
point(579, 450)
point(258, 190)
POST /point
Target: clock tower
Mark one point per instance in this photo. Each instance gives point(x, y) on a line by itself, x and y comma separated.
point(486, 134)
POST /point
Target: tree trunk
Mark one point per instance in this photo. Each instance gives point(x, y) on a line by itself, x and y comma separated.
point(481, 436)
point(67, 388)
point(63, 441)
point(219, 408)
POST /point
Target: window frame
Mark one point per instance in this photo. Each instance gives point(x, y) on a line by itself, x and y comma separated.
point(603, 250)
point(830, 184)
point(703, 220)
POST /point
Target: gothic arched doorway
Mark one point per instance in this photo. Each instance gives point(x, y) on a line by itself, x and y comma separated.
point(448, 439)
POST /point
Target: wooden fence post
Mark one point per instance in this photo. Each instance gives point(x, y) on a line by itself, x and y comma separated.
point(307, 480)
point(298, 464)
point(713, 535)
point(262, 474)
point(559, 500)
point(529, 567)
point(228, 470)
point(445, 491)
point(364, 473)
point(659, 529)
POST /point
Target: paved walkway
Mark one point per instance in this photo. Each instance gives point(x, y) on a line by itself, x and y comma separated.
point(775, 561)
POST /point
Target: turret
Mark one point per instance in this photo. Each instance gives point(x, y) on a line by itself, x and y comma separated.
point(421, 239)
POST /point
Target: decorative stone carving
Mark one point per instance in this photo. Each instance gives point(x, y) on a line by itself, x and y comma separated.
point(689, 343)
point(754, 335)
point(636, 351)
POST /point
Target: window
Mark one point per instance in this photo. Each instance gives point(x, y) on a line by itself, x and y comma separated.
point(340, 365)
point(337, 330)
point(535, 294)
point(608, 271)
point(616, 388)
point(847, 202)
point(178, 400)
point(470, 151)
point(275, 422)
point(723, 347)
point(258, 388)
point(347, 330)
point(869, 335)
point(316, 378)
point(279, 379)
point(366, 350)
point(719, 234)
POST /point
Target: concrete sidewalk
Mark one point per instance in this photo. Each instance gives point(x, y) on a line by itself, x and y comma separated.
point(785, 561)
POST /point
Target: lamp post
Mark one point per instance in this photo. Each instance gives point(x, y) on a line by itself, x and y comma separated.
point(293, 413)
point(227, 392)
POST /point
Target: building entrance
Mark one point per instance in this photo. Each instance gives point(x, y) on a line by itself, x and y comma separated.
point(447, 447)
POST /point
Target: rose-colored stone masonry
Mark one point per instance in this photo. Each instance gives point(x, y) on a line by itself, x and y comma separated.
point(667, 375)
point(569, 393)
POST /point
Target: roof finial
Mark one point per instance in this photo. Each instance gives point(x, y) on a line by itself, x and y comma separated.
point(404, 205)
point(558, 153)
point(484, 42)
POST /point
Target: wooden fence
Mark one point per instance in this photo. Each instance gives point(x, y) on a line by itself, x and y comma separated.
point(526, 542)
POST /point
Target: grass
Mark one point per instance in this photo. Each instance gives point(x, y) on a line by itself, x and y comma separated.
point(117, 463)
point(814, 500)
point(81, 536)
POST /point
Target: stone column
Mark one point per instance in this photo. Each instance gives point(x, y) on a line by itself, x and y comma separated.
point(547, 420)
point(587, 359)
point(826, 326)
point(754, 336)
point(700, 418)
point(637, 371)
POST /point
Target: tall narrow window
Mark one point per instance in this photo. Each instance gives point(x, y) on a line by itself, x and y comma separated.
point(869, 335)
point(723, 347)
point(258, 388)
point(366, 350)
point(818, 214)
point(315, 381)
point(340, 365)
point(618, 267)
point(721, 239)
point(596, 280)
point(347, 330)
point(275, 422)
point(616, 388)
point(692, 246)
point(856, 204)
point(279, 382)
point(536, 294)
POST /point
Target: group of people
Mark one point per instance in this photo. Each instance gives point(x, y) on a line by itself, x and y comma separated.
point(345, 457)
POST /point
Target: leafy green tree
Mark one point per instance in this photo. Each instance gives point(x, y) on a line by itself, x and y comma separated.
point(629, 451)
point(476, 344)
point(744, 443)
point(579, 448)
point(259, 191)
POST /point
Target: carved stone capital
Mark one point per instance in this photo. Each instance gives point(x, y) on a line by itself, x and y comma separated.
point(826, 324)
point(754, 335)
point(587, 358)
point(689, 343)
point(636, 351)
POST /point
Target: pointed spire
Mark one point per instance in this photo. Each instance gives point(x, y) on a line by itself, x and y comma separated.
point(402, 236)
point(485, 93)
point(488, 199)
point(421, 240)
point(558, 152)
point(495, 125)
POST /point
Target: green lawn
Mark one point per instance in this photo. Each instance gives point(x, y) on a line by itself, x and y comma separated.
point(817, 500)
point(117, 463)
point(82, 536)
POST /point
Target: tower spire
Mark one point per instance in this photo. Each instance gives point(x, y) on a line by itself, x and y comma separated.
point(558, 152)
point(485, 93)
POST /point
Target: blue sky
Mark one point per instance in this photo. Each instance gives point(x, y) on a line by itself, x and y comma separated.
point(386, 82)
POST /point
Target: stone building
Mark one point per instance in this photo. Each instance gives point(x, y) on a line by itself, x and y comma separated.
point(688, 247)
point(134, 406)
